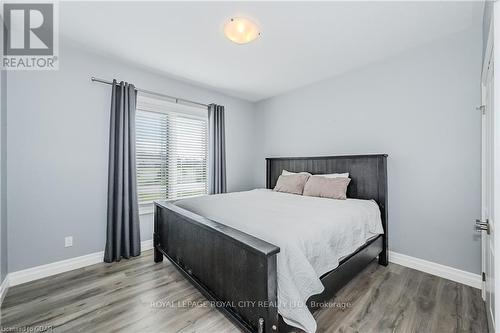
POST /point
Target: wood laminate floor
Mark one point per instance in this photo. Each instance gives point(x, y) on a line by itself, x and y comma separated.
point(140, 296)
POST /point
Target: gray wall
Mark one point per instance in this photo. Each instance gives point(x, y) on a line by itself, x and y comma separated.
point(2, 234)
point(58, 151)
point(418, 107)
point(3, 193)
point(3, 175)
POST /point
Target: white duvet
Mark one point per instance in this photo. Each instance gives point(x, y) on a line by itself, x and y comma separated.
point(313, 235)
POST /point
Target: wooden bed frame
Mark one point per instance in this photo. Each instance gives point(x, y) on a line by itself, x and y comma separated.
point(238, 271)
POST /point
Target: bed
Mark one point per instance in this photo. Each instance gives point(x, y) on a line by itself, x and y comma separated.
point(244, 249)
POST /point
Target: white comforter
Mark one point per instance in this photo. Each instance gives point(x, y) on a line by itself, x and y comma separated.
point(312, 233)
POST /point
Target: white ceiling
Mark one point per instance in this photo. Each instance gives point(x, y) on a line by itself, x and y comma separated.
point(301, 42)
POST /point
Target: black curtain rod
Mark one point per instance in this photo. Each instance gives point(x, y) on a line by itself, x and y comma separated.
point(176, 99)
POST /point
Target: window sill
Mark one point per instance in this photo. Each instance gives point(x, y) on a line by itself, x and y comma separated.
point(146, 210)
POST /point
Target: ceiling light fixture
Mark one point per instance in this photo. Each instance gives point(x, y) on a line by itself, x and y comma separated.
point(241, 30)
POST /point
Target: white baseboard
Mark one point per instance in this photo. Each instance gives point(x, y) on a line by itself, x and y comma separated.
point(3, 288)
point(146, 245)
point(447, 272)
point(39, 272)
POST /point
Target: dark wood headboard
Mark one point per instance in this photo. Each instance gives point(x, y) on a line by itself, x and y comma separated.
point(368, 174)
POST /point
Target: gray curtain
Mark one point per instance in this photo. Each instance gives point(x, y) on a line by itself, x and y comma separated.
point(123, 236)
point(216, 150)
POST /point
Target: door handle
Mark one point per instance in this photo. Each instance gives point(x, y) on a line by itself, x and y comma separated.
point(483, 225)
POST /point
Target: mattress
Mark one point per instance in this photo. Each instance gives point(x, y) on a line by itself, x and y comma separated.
point(313, 234)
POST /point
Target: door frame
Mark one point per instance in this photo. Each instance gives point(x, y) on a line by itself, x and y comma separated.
point(495, 22)
point(488, 53)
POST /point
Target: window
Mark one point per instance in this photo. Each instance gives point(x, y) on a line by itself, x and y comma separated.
point(171, 150)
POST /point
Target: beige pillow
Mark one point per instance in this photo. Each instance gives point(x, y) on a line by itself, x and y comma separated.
point(334, 188)
point(291, 183)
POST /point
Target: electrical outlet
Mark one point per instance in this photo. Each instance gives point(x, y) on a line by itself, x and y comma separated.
point(68, 241)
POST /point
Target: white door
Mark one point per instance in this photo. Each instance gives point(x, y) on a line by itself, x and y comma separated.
point(486, 224)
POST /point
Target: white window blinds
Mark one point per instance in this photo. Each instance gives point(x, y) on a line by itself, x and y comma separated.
point(171, 150)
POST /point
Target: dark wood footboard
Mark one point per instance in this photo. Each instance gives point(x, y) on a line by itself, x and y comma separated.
point(228, 266)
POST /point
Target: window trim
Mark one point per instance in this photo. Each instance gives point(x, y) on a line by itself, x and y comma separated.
point(146, 103)
point(158, 105)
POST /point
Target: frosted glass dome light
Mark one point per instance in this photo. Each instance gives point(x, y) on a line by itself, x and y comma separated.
point(241, 30)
